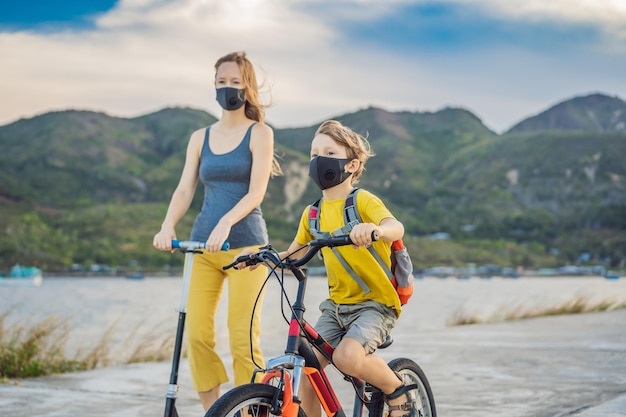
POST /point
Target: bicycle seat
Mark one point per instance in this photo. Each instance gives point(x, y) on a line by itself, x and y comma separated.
point(388, 341)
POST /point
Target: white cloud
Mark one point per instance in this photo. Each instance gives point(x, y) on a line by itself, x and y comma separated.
point(608, 16)
point(148, 54)
point(145, 54)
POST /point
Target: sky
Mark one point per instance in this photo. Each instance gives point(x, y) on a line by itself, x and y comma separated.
point(503, 60)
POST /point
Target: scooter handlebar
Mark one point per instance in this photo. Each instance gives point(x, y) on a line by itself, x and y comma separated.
point(191, 245)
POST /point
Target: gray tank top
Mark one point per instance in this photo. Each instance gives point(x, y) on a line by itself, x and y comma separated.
point(226, 179)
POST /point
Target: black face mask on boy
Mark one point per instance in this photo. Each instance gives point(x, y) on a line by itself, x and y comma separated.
point(328, 172)
point(230, 98)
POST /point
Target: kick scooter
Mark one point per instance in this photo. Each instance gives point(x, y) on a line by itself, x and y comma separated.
point(189, 248)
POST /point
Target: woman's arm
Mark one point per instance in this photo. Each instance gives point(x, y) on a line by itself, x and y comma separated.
point(183, 194)
point(262, 148)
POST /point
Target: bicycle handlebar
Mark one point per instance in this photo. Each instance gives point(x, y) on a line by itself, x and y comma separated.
point(192, 245)
point(267, 253)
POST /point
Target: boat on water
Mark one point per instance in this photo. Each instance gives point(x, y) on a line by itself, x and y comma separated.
point(136, 275)
point(22, 276)
point(612, 275)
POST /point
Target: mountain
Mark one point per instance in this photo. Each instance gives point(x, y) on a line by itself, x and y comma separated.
point(591, 113)
point(85, 187)
point(67, 157)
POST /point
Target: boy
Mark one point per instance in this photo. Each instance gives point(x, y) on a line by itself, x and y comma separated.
point(353, 321)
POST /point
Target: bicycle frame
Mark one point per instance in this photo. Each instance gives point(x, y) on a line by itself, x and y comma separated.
point(281, 381)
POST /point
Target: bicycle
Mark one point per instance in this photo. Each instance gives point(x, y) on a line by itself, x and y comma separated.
point(277, 392)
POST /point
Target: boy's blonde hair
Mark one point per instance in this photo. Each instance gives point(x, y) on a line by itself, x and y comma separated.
point(356, 145)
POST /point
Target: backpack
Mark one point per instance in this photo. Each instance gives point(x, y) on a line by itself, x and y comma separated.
point(401, 272)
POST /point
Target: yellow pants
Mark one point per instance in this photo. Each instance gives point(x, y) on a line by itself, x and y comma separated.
point(205, 289)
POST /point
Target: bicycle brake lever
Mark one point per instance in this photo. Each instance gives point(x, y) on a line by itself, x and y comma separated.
point(246, 258)
point(230, 265)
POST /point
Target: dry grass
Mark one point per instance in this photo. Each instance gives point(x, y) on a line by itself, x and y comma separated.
point(153, 346)
point(36, 348)
point(576, 305)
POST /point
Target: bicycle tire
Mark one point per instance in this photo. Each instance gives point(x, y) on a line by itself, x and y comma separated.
point(249, 400)
point(411, 374)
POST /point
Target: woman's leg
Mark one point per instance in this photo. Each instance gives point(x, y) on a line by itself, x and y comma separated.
point(205, 289)
point(243, 289)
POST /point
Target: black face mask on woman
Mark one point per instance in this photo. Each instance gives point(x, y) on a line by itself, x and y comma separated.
point(230, 98)
point(328, 172)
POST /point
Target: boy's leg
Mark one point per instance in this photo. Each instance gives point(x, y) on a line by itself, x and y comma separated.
point(351, 358)
point(368, 325)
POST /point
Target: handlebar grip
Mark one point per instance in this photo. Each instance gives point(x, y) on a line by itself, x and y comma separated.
point(375, 236)
point(190, 244)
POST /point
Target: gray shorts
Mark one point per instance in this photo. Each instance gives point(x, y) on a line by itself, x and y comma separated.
point(369, 323)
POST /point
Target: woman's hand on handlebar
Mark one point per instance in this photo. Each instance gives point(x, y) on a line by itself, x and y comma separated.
point(363, 234)
point(163, 240)
point(217, 237)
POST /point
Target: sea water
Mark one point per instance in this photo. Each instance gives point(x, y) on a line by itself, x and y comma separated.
point(125, 311)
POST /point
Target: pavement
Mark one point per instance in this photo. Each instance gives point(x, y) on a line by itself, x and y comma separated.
point(546, 367)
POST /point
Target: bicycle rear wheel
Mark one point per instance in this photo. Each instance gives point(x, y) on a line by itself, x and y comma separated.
point(411, 374)
point(250, 400)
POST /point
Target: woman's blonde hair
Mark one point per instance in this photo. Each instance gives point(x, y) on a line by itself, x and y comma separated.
point(357, 146)
point(253, 108)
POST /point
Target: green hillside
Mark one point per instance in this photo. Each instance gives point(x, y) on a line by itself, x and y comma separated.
point(592, 113)
point(86, 188)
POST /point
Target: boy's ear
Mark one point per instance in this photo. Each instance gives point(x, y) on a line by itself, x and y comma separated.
point(353, 165)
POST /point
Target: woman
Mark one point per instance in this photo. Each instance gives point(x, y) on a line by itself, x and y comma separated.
point(233, 159)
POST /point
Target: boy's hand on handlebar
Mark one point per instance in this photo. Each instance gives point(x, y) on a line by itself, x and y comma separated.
point(243, 265)
point(364, 233)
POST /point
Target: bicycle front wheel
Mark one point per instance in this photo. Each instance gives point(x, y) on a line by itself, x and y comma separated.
point(411, 373)
point(250, 400)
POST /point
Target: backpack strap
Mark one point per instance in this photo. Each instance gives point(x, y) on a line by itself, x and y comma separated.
point(314, 228)
point(351, 218)
point(314, 221)
point(350, 271)
point(350, 212)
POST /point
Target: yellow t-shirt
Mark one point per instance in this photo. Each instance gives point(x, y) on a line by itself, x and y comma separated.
point(343, 288)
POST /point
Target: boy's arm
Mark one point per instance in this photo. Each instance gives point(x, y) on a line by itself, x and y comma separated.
point(391, 229)
point(292, 247)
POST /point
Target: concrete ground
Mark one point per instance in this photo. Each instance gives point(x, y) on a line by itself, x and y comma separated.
point(546, 367)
